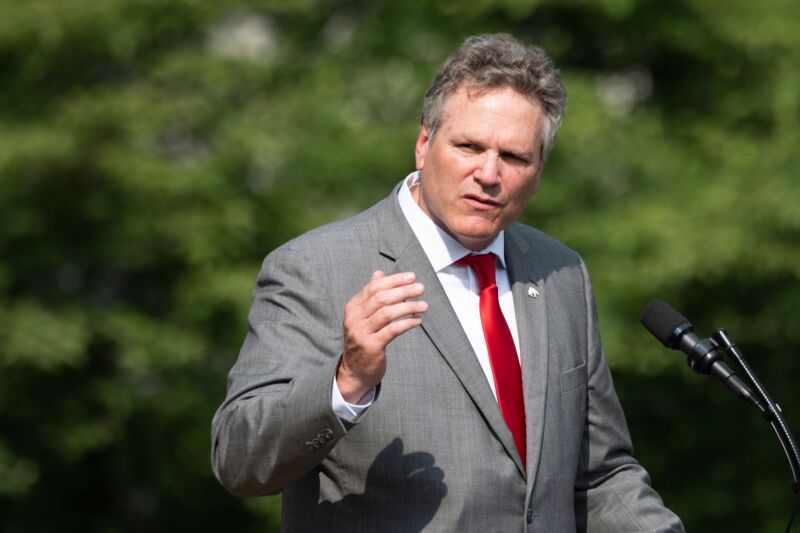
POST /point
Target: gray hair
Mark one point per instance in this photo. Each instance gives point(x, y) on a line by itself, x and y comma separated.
point(491, 61)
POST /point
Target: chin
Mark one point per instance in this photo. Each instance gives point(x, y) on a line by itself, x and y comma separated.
point(474, 234)
point(475, 241)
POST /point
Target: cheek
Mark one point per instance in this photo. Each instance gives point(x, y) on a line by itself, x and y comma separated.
point(527, 186)
point(522, 195)
point(434, 196)
point(442, 189)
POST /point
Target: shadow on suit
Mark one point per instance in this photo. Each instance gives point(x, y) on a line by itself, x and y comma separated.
point(384, 506)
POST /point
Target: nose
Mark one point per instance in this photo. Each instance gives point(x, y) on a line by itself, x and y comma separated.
point(488, 173)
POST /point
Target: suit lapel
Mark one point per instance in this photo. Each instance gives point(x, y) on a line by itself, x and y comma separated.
point(531, 311)
point(440, 322)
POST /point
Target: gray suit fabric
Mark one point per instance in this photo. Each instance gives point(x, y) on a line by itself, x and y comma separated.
point(433, 452)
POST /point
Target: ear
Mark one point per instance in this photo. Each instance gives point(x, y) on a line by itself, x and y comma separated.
point(421, 148)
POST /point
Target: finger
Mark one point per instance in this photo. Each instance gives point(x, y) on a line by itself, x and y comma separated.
point(389, 282)
point(391, 313)
point(394, 329)
point(379, 282)
point(358, 298)
point(391, 296)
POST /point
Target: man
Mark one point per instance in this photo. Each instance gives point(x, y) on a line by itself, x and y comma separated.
point(430, 364)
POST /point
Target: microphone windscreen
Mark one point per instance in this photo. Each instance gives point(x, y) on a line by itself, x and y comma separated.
point(662, 320)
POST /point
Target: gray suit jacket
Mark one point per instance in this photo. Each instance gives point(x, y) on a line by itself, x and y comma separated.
point(433, 452)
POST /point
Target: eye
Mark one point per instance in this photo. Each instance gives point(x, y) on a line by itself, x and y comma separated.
point(469, 147)
point(514, 158)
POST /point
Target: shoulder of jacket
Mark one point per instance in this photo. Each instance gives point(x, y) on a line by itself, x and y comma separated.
point(356, 231)
point(542, 243)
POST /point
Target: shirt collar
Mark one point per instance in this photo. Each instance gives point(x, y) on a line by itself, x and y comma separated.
point(441, 249)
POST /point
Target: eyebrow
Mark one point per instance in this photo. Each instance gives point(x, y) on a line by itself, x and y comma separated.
point(463, 138)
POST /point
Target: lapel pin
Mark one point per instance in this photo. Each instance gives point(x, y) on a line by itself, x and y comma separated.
point(532, 292)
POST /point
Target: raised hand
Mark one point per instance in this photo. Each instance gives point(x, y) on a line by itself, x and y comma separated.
point(374, 316)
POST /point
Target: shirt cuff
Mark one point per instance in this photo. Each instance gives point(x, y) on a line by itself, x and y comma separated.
point(351, 412)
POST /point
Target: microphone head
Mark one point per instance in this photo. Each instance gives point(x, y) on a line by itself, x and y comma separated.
point(665, 323)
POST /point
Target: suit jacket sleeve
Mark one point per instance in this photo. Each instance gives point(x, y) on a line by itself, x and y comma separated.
point(277, 422)
point(612, 491)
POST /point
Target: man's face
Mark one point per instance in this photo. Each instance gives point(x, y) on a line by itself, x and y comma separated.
point(482, 165)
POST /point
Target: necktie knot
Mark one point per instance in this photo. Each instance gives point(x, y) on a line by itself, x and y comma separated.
point(484, 267)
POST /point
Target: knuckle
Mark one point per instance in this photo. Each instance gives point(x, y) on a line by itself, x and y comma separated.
point(407, 308)
point(382, 297)
point(383, 315)
point(393, 329)
point(398, 328)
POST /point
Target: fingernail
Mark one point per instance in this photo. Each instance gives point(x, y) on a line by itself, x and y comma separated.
point(409, 276)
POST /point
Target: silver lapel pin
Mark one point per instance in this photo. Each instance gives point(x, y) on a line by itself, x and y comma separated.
point(532, 292)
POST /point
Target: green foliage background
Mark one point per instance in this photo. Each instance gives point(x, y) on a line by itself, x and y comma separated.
point(152, 152)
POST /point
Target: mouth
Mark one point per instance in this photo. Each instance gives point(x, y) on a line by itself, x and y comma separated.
point(481, 202)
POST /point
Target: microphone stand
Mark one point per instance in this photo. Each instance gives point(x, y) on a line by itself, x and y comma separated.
point(770, 410)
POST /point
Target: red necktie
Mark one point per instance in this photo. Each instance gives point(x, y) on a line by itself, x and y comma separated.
point(502, 352)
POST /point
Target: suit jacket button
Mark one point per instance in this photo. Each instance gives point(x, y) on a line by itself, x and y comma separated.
point(327, 434)
point(310, 447)
point(316, 443)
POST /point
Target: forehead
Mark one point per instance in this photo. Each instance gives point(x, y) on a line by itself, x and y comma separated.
point(494, 114)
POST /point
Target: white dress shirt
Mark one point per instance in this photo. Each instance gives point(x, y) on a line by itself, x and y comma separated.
point(460, 284)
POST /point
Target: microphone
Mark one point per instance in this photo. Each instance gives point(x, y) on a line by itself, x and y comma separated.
point(674, 331)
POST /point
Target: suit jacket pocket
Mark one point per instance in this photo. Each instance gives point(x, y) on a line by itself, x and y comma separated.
point(573, 378)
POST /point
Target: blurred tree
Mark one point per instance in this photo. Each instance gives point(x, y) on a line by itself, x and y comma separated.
point(151, 153)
